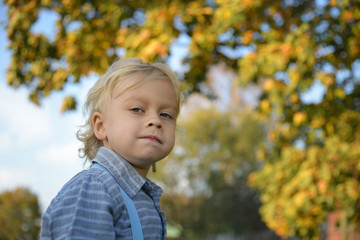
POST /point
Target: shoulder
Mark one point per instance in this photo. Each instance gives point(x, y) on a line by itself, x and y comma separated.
point(92, 179)
point(90, 188)
point(90, 198)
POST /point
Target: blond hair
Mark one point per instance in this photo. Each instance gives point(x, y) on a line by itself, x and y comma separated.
point(121, 71)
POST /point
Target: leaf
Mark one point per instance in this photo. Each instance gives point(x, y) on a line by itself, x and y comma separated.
point(69, 103)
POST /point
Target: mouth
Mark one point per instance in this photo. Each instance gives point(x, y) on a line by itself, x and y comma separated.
point(152, 138)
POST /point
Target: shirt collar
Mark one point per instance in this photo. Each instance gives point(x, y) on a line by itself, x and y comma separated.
point(125, 174)
point(152, 189)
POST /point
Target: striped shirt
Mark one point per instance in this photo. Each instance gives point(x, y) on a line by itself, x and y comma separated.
point(90, 205)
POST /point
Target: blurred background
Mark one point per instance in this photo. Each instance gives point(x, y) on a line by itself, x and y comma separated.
point(268, 139)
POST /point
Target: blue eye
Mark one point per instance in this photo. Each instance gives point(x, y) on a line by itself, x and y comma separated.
point(166, 115)
point(136, 110)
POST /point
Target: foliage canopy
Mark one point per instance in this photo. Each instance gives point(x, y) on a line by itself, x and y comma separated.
point(20, 215)
point(290, 47)
point(206, 176)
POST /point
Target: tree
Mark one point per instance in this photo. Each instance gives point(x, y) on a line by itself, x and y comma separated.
point(19, 215)
point(289, 47)
point(206, 175)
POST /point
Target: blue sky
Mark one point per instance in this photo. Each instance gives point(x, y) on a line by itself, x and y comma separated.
point(38, 147)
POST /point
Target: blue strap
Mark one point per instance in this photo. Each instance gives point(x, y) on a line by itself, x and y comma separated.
point(136, 228)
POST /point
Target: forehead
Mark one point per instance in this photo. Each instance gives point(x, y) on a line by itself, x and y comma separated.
point(121, 84)
point(158, 92)
point(136, 80)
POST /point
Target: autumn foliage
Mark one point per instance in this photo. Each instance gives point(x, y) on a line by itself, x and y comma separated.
point(290, 48)
point(20, 214)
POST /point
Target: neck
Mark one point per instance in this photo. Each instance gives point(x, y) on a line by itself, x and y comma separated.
point(142, 171)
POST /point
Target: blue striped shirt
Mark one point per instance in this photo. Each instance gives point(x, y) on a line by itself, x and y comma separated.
point(90, 205)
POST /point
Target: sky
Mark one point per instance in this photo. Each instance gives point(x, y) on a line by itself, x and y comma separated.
point(38, 146)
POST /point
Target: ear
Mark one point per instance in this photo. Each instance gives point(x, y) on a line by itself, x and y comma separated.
point(98, 124)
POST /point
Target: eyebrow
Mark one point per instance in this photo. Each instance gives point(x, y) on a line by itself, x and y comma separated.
point(166, 106)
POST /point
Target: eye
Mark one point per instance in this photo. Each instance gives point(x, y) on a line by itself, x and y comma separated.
point(136, 109)
point(166, 115)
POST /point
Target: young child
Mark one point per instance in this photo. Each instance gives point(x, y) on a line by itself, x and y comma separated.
point(132, 111)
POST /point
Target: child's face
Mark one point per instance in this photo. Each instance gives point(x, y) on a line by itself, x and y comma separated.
point(140, 123)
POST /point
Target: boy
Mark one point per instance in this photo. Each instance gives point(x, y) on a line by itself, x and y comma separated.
point(132, 111)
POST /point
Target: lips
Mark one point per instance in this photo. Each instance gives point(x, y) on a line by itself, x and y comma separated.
point(151, 138)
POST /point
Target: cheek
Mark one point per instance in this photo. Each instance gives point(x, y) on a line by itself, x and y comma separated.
point(172, 137)
point(119, 131)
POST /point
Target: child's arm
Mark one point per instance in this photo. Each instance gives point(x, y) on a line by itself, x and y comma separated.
point(83, 209)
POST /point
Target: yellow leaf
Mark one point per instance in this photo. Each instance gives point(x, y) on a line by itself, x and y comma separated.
point(340, 93)
point(322, 186)
point(247, 37)
point(294, 98)
point(265, 105)
point(317, 122)
point(299, 199)
point(69, 103)
point(268, 84)
point(299, 118)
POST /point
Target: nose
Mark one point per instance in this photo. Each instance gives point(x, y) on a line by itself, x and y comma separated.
point(154, 121)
